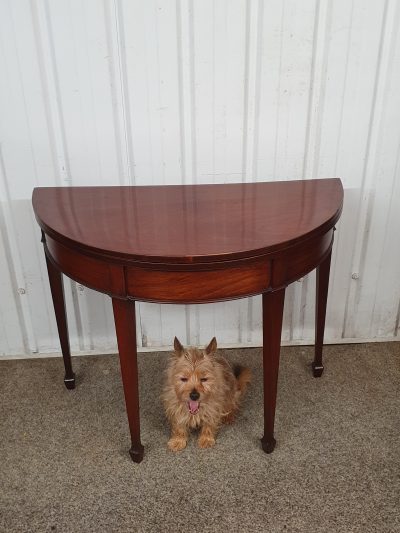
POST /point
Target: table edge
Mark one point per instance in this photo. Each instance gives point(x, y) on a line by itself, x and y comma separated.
point(120, 257)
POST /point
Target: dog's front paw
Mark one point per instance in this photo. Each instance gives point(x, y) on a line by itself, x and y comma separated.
point(176, 444)
point(205, 441)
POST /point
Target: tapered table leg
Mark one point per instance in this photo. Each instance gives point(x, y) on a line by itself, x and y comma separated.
point(272, 328)
point(125, 325)
point(320, 312)
point(57, 293)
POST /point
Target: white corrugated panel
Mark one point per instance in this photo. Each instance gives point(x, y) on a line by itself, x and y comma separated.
point(132, 92)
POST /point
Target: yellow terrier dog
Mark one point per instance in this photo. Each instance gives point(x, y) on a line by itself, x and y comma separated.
point(201, 390)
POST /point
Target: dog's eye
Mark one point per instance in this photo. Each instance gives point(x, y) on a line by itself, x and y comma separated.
point(204, 379)
point(184, 379)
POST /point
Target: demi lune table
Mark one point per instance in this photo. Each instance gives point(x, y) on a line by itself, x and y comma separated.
point(188, 244)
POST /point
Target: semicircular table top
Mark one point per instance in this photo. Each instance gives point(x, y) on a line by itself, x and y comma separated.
point(188, 223)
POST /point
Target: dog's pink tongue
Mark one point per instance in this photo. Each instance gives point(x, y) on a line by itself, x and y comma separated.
point(193, 406)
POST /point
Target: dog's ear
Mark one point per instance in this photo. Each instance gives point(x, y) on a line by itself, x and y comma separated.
point(212, 347)
point(178, 347)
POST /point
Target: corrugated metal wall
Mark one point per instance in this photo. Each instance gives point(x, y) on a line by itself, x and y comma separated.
point(185, 91)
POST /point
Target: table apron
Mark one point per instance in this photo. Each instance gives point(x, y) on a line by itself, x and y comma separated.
point(151, 282)
point(235, 280)
point(301, 259)
point(93, 273)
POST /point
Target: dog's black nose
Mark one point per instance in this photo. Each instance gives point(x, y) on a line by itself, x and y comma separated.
point(194, 395)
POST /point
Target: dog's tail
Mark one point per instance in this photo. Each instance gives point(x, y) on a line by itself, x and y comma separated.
point(243, 377)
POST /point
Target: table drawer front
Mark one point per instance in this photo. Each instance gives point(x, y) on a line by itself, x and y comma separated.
point(174, 286)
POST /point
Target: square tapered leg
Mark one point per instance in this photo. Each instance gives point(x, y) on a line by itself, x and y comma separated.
point(320, 313)
point(125, 326)
point(57, 293)
point(273, 303)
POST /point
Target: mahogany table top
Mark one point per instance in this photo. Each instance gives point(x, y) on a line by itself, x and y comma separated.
point(188, 223)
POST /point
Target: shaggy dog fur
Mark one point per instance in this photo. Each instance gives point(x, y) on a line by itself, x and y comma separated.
point(202, 390)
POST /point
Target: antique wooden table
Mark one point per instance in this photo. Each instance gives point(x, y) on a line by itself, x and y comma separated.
point(190, 244)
